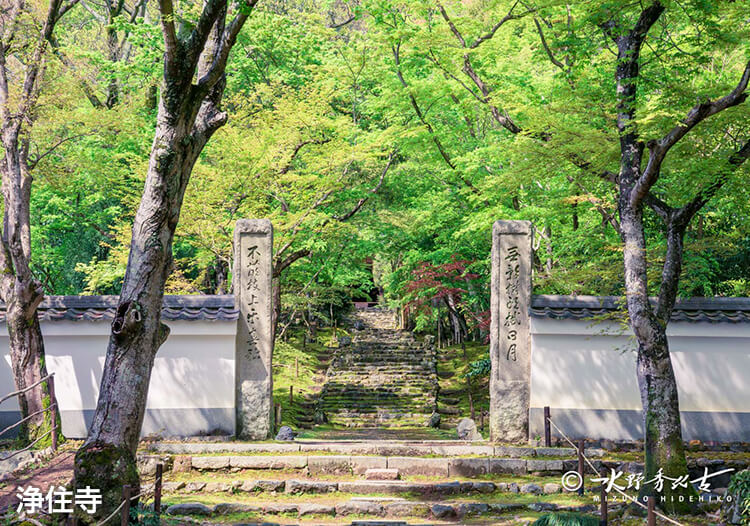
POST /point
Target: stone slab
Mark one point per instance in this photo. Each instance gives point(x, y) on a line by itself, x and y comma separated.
point(514, 451)
point(468, 467)
point(365, 448)
point(182, 464)
point(310, 486)
point(460, 450)
point(544, 465)
point(556, 451)
point(278, 508)
point(434, 467)
point(406, 509)
point(316, 509)
point(507, 465)
point(381, 474)
point(360, 507)
point(198, 448)
point(329, 465)
point(360, 487)
point(210, 463)
point(360, 465)
point(226, 508)
point(267, 462)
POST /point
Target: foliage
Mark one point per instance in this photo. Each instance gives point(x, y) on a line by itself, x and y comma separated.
point(566, 519)
point(317, 112)
point(739, 488)
point(479, 368)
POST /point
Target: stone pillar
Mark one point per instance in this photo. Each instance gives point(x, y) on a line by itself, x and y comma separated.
point(253, 268)
point(510, 339)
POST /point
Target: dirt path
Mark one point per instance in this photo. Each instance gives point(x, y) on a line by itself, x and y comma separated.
point(57, 471)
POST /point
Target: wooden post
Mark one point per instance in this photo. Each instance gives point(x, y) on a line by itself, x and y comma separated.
point(125, 517)
point(53, 411)
point(481, 420)
point(277, 422)
point(296, 366)
point(580, 465)
point(547, 430)
point(291, 395)
point(157, 489)
point(603, 499)
point(651, 510)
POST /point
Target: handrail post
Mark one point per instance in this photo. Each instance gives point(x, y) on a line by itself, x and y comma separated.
point(125, 519)
point(581, 465)
point(53, 410)
point(651, 509)
point(603, 499)
point(157, 489)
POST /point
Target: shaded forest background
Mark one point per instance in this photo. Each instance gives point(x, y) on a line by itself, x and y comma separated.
point(382, 139)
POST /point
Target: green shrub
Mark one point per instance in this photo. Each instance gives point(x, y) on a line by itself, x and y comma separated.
point(566, 519)
point(739, 488)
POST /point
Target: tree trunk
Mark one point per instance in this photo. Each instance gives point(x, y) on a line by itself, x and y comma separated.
point(20, 291)
point(107, 458)
point(27, 360)
point(187, 117)
point(661, 410)
point(661, 413)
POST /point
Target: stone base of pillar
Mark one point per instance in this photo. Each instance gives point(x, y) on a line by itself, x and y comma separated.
point(509, 411)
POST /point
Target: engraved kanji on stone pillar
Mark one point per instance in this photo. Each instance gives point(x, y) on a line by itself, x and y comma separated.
point(510, 338)
point(253, 251)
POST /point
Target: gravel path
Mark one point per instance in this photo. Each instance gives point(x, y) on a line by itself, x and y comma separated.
point(58, 471)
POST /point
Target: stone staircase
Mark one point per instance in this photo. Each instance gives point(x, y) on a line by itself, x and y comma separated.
point(382, 378)
point(340, 482)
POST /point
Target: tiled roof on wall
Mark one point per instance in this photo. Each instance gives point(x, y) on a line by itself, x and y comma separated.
point(221, 308)
point(95, 308)
point(727, 310)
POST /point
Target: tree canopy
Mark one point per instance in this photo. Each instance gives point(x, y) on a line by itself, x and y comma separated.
point(384, 138)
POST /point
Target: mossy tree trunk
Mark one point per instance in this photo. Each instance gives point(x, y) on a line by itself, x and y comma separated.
point(20, 291)
point(189, 113)
point(664, 448)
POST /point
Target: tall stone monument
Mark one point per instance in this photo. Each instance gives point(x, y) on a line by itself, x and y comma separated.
point(253, 264)
point(510, 339)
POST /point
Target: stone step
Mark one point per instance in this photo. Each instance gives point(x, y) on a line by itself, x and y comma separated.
point(377, 507)
point(361, 487)
point(384, 448)
point(314, 465)
point(373, 390)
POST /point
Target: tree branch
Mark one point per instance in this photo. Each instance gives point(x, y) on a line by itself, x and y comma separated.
point(295, 152)
point(658, 149)
point(171, 44)
point(227, 42)
point(488, 36)
point(547, 48)
point(373, 191)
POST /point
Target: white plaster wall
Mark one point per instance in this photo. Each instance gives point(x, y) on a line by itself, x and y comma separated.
point(192, 382)
point(579, 365)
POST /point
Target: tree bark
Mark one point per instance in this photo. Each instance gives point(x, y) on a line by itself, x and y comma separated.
point(189, 113)
point(664, 448)
point(19, 289)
